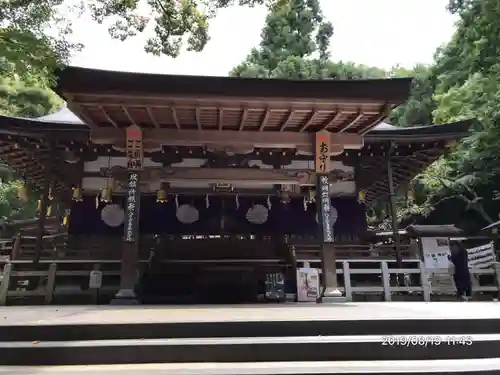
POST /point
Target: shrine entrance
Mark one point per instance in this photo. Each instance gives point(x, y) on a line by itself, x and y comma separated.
point(217, 270)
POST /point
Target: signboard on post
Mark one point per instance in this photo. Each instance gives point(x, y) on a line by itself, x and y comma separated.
point(324, 208)
point(95, 279)
point(132, 209)
point(322, 165)
point(134, 148)
point(322, 162)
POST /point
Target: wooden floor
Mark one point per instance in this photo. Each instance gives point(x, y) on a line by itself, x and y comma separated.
point(53, 315)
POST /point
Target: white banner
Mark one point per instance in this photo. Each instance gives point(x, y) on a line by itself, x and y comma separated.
point(481, 256)
point(436, 251)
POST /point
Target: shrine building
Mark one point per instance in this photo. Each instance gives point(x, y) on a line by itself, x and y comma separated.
point(206, 185)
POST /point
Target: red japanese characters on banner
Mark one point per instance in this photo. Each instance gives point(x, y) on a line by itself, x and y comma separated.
point(134, 148)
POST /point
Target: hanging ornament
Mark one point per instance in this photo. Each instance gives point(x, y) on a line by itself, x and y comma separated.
point(161, 196)
point(22, 192)
point(311, 195)
point(106, 195)
point(65, 221)
point(268, 202)
point(50, 196)
point(237, 199)
point(207, 201)
point(305, 204)
point(77, 194)
point(361, 196)
point(38, 205)
point(97, 201)
point(107, 191)
point(49, 211)
point(176, 201)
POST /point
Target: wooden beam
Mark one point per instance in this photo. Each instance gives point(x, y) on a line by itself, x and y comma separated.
point(265, 119)
point(220, 119)
point(198, 118)
point(175, 117)
point(193, 138)
point(285, 122)
point(108, 117)
point(353, 123)
point(243, 119)
point(132, 122)
point(152, 117)
point(310, 120)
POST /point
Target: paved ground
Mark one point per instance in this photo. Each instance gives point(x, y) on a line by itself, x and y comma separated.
point(18, 315)
point(442, 366)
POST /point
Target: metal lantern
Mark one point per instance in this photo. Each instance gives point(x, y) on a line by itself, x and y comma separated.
point(361, 196)
point(161, 196)
point(106, 195)
point(49, 211)
point(311, 196)
point(22, 193)
point(77, 194)
point(38, 205)
point(50, 196)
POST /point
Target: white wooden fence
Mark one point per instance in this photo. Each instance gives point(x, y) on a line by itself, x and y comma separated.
point(346, 268)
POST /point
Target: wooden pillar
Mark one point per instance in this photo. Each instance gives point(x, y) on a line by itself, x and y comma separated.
point(44, 204)
point(322, 166)
point(130, 248)
point(394, 217)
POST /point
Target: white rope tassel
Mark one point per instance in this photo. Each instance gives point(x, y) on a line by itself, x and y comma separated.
point(269, 205)
point(237, 200)
point(176, 201)
point(207, 201)
point(305, 204)
point(97, 201)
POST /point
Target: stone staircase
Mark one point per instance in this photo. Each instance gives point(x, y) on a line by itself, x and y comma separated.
point(315, 346)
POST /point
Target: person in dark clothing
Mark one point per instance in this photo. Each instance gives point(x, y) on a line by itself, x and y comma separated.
point(461, 276)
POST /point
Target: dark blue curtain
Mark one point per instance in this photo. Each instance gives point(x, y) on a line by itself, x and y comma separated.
point(221, 216)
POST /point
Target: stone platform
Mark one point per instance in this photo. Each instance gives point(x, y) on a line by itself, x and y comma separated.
point(243, 336)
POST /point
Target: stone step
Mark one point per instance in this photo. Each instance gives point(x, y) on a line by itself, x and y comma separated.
point(250, 328)
point(435, 367)
point(250, 349)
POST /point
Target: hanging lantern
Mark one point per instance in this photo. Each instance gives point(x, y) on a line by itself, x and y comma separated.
point(50, 196)
point(65, 220)
point(38, 205)
point(311, 196)
point(361, 196)
point(22, 193)
point(49, 211)
point(161, 196)
point(77, 194)
point(106, 195)
point(410, 195)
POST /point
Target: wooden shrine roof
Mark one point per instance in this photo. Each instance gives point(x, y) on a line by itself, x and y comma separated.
point(25, 146)
point(119, 99)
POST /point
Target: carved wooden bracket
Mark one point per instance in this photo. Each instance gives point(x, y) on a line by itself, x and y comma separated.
point(247, 176)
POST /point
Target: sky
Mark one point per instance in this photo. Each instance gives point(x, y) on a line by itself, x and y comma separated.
point(381, 33)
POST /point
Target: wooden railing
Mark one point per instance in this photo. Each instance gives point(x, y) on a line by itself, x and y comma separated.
point(384, 272)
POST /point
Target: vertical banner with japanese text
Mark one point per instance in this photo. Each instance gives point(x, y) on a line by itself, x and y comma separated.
point(135, 159)
point(132, 209)
point(134, 148)
point(322, 166)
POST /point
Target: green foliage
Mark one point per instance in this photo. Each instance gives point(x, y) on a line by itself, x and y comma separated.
point(11, 207)
point(26, 100)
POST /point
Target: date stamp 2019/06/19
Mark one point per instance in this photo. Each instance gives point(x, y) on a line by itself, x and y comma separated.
point(426, 340)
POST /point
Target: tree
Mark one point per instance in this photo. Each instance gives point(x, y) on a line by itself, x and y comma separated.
point(35, 34)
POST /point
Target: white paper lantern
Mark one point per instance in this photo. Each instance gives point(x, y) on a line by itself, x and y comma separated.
point(257, 214)
point(333, 216)
point(113, 215)
point(187, 214)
